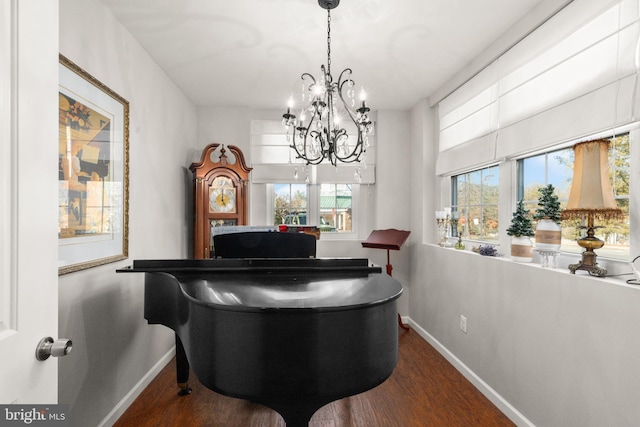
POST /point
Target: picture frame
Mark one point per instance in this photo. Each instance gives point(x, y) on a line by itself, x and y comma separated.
point(93, 171)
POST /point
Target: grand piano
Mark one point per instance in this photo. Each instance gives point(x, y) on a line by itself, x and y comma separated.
point(292, 334)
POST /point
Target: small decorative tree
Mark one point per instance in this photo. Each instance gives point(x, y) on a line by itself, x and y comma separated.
point(548, 230)
point(548, 205)
point(520, 223)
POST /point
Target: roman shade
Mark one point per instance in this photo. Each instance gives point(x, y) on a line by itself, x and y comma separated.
point(574, 76)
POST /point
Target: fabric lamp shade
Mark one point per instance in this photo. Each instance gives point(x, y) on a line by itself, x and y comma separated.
point(591, 191)
point(591, 196)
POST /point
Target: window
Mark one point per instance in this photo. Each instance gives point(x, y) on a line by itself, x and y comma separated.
point(289, 200)
point(475, 196)
point(328, 206)
point(556, 168)
point(335, 207)
point(326, 196)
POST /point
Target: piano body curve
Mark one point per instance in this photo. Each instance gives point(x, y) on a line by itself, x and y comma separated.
point(291, 334)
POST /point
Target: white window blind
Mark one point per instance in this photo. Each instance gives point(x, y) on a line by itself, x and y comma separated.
point(575, 75)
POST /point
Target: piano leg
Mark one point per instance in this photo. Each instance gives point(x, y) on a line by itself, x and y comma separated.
point(182, 369)
point(297, 415)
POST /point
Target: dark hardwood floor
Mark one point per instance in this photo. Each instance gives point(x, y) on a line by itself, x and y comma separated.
point(424, 390)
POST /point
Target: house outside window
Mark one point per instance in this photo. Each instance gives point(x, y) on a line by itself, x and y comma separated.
point(336, 207)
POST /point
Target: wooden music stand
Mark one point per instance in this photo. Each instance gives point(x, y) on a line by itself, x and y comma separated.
point(389, 239)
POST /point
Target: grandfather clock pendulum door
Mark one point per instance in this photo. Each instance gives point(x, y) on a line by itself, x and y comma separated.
point(220, 194)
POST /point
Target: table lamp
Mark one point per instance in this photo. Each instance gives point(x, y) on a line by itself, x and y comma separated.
point(591, 196)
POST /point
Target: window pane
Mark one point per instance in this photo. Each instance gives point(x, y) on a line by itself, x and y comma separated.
point(490, 223)
point(335, 208)
point(619, 168)
point(615, 233)
point(289, 199)
point(534, 176)
point(490, 186)
point(475, 181)
point(473, 221)
point(560, 172)
point(461, 194)
point(476, 199)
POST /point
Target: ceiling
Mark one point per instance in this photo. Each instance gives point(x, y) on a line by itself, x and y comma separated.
point(253, 52)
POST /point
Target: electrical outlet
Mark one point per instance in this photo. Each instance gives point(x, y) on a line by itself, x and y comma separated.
point(463, 323)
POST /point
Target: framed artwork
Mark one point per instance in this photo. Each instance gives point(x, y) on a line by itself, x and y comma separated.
point(93, 171)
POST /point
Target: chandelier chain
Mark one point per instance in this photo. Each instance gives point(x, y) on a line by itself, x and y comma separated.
point(329, 41)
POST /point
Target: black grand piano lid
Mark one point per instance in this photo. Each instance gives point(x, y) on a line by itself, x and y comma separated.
point(278, 284)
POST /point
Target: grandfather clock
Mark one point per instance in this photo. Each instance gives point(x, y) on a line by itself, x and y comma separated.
point(220, 194)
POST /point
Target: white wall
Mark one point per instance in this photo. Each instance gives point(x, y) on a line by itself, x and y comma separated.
point(561, 349)
point(101, 311)
point(549, 348)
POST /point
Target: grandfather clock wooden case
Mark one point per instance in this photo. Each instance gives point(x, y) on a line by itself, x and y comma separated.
point(220, 194)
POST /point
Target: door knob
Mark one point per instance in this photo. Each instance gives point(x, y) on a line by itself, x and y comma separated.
point(48, 347)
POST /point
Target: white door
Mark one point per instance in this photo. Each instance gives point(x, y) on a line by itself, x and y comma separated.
point(28, 199)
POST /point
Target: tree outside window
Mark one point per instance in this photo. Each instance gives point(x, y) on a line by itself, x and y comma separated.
point(288, 199)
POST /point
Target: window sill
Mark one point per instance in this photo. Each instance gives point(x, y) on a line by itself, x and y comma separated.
point(618, 271)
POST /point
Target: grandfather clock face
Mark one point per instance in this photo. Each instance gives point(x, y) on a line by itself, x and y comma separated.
point(222, 196)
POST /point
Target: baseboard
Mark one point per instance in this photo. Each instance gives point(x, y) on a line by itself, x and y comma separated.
point(128, 399)
point(484, 388)
point(405, 320)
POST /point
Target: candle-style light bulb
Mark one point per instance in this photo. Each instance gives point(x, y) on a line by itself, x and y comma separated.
point(289, 119)
point(363, 97)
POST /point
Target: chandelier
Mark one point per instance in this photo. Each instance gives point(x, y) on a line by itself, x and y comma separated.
point(317, 134)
